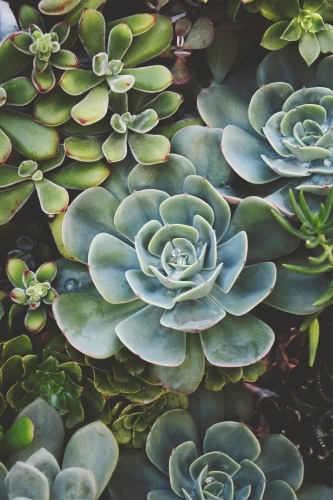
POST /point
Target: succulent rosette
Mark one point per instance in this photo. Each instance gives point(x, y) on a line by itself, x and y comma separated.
point(171, 275)
point(188, 457)
point(285, 127)
point(45, 48)
point(33, 290)
point(303, 21)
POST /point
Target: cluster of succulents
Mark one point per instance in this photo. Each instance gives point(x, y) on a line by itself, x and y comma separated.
point(185, 199)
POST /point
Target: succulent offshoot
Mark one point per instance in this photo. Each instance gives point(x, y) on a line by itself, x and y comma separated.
point(33, 290)
point(44, 44)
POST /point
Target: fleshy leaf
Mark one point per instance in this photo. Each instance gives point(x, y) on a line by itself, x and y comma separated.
point(54, 107)
point(93, 107)
point(35, 319)
point(20, 91)
point(92, 31)
point(78, 81)
point(89, 322)
point(12, 199)
point(169, 431)
point(168, 177)
point(144, 335)
point(150, 43)
point(53, 198)
point(120, 39)
point(144, 207)
point(202, 146)
point(103, 455)
point(115, 147)
point(109, 258)
point(150, 78)
point(149, 149)
point(237, 341)
point(15, 269)
point(224, 437)
point(90, 213)
point(186, 377)
point(285, 463)
point(57, 7)
point(29, 137)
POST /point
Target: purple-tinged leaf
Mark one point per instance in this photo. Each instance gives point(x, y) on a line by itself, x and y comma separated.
point(45, 80)
point(15, 269)
point(35, 319)
point(64, 59)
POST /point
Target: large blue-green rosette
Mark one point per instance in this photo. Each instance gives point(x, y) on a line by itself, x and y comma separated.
point(176, 277)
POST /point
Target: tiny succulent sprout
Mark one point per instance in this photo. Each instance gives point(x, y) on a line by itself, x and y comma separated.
point(33, 290)
point(43, 44)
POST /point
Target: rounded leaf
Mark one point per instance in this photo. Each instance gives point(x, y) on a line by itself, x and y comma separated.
point(103, 452)
point(237, 341)
point(75, 483)
point(48, 430)
point(169, 431)
point(233, 439)
point(284, 463)
point(24, 480)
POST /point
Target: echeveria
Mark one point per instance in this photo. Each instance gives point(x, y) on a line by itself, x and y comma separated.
point(230, 464)
point(170, 274)
point(45, 48)
point(286, 133)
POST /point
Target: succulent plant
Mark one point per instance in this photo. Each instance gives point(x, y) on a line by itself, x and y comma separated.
point(316, 230)
point(120, 375)
point(20, 182)
point(131, 423)
point(83, 475)
point(111, 78)
point(230, 463)
point(295, 20)
point(54, 377)
point(160, 281)
point(44, 48)
point(277, 137)
point(32, 289)
point(216, 377)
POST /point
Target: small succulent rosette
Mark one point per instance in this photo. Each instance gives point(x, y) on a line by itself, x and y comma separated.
point(44, 48)
point(33, 290)
point(186, 458)
point(298, 20)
